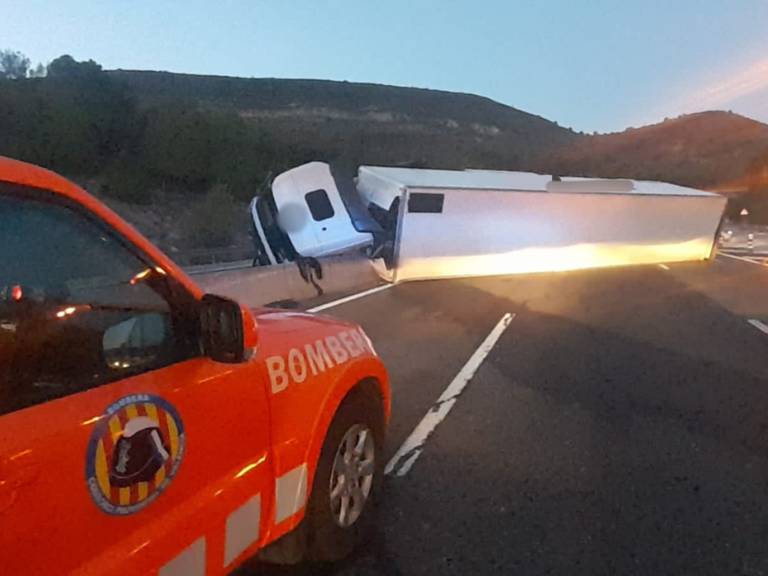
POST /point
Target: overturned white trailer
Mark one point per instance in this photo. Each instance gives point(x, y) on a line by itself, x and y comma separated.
point(425, 224)
point(476, 223)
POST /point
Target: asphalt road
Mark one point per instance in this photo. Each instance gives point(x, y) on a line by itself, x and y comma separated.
point(618, 426)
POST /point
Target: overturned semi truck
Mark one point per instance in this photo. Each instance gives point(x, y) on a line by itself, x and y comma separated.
point(423, 224)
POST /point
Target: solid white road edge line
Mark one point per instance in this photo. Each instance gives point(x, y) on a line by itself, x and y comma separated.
point(346, 299)
point(742, 258)
point(759, 325)
point(413, 445)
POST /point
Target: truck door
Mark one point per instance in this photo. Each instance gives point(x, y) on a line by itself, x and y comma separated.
point(122, 449)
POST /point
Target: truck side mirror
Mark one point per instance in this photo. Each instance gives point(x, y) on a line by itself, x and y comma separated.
point(228, 331)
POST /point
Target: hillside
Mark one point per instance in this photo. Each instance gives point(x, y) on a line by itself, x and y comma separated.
point(182, 155)
point(365, 123)
point(708, 149)
point(355, 123)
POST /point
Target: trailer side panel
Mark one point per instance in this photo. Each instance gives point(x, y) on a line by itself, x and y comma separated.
point(454, 232)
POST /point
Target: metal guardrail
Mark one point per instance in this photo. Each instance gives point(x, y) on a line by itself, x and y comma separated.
point(218, 267)
point(283, 282)
point(208, 256)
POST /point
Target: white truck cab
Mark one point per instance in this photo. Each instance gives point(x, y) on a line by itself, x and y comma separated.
point(306, 215)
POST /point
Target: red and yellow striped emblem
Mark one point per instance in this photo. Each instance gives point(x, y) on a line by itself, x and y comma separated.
point(135, 451)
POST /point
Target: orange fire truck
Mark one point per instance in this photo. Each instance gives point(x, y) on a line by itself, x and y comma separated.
point(147, 427)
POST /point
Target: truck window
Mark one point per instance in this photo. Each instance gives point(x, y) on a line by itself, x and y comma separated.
point(319, 205)
point(78, 308)
point(425, 203)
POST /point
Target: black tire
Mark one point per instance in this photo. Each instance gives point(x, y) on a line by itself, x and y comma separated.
point(327, 541)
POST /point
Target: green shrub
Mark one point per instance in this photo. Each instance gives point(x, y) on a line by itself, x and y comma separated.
point(128, 182)
point(84, 122)
point(213, 219)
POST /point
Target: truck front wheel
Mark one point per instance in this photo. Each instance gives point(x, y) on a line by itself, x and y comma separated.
point(348, 477)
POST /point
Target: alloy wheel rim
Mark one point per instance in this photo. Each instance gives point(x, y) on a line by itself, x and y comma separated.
point(352, 475)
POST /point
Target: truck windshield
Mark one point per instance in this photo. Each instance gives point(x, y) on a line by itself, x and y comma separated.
point(278, 241)
point(359, 214)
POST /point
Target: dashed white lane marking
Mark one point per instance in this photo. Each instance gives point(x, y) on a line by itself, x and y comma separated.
point(410, 450)
point(663, 266)
point(759, 325)
point(349, 298)
point(409, 463)
point(742, 258)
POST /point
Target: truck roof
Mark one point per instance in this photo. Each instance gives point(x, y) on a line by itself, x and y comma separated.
point(523, 181)
point(482, 179)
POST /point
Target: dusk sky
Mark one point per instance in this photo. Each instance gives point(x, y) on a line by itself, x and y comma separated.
point(599, 65)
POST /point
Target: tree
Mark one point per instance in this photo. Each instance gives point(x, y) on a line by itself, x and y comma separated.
point(40, 71)
point(67, 67)
point(77, 120)
point(13, 65)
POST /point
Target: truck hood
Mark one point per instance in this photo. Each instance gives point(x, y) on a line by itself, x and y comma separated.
point(283, 332)
point(272, 321)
